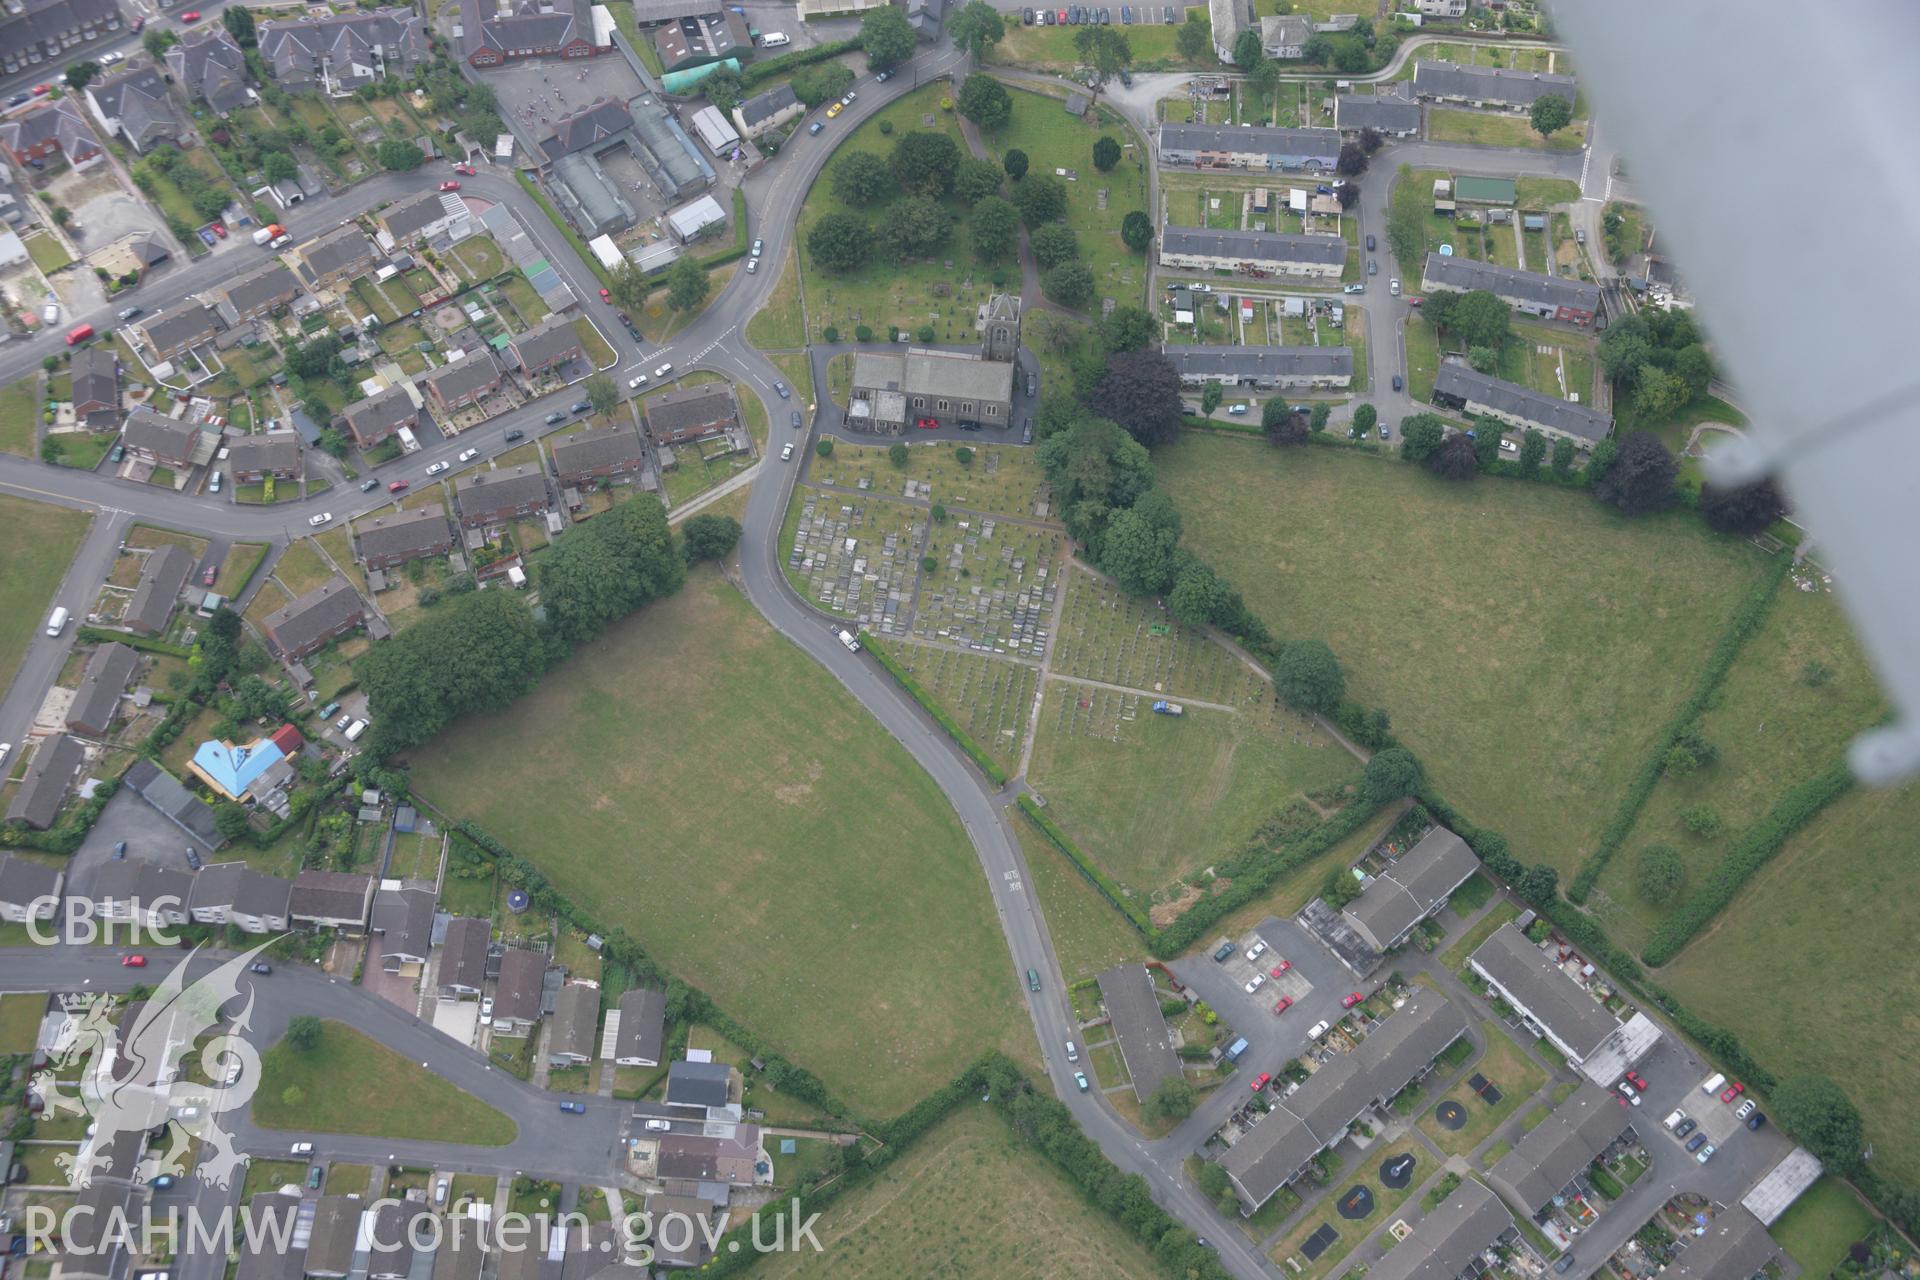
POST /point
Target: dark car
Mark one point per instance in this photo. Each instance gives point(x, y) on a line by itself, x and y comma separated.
point(368, 486)
point(1026, 17)
point(1757, 1119)
point(1026, 432)
point(1369, 244)
point(815, 127)
point(624, 319)
point(574, 1108)
point(555, 417)
point(1033, 385)
point(193, 857)
point(18, 98)
point(796, 419)
point(1396, 382)
point(1167, 15)
point(1226, 949)
point(1696, 1142)
point(314, 1175)
point(781, 388)
point(882, 77)
point(1126, 15)
point(581, 406)
point(515, 434)
point(1684, 1128)
point(260, 967)
point(119, 850)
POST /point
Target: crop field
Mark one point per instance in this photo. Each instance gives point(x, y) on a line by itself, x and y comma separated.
point(1153, 797)
point(968, 1199)
point(1404, 576)
point(1838, 899)
point(1001, 479)
point(1109, 636)
point(991, 698)
point(854, 555)
point(840, 911)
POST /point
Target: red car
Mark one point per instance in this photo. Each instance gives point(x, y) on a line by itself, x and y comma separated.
point(1414, 302)
point(449, 186)
point(927, 424)
point(467, 169)
point(134, 962)
point(397, 486)
point(605, 296)
point(41, 90)
point(1282, 967)
point(1062, 15)
point(191, 15)
point(208, 574)
point(220, 229)
point(1262, 1080)
point(1285, 1003)
point(1637, 1080)
point(1351, 1000)
point(1732, 1091)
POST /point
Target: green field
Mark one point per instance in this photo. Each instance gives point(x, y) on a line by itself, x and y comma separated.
point(1051, 48)
point(827, 896)
point(968, 1199)
point(1505, 1064)
point(20, 417)
point(779, 324)
point(1489, 130)
point(1153, 798)
point(1772, 728)
point(20, 1016)
point(1816, 1231)
point(40, 540)
point(349, 1083)
point(1089, 936)
point(1496, 669)
point(1838, 899)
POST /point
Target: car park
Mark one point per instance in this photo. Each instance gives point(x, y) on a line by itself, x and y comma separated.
point(435, 468)
point(325, 517)
point(1254, 983)
point(1261, 1081)
point(1347, 1002)
point(1285, 1003)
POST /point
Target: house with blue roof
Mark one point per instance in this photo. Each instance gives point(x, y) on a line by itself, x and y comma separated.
point(235, 771)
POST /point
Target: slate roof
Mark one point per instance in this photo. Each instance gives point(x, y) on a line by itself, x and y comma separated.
point(98, 697)
point(160, 435)
point(260, 1259)
point(1317, 144)
point(1404, 893)
point(463, 955)
point(463, 377)
point(691, 1210)
point(378, 413)
point(700, 1084)
point(410, 217)
point(161, 579)
point(258, 288)
point(1548, 291)
point(1260, 362)
point(1146, 1044)
point(526, 27)
point(462, 1252)
point(137, 98)
point(576, 1021)
point(415, 532)
point(1254, 246)
point(22, 882)
point(692, 406)
point(1559, 1147)
point(1549, 995)
point(546, 342)
point(236, 887)
point(1523, 402)
point(337, 249)
point(580, 454)
point(1389, 113)
point(167, 795)
point(1287, 31)
point(517, 995)
point(1490, 84)
point(1447, 1240)
point(132, 880)
point(643, 1016)
point(587, 128)
point(294, 48)
point(176, 328)
point(1735, 1247)
point(208, 65)
point(948, 373)
point(501, 491)
point(299, 622)
point(61, 121)
point(96, 382)
point(764, 106)
point(330, 895)
point(279, 451)
point(405, 917)
point(336, 1228)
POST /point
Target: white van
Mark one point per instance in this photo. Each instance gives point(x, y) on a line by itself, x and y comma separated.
point(214, 486)
point(355, 729)
point(774, 40)
point(1073, 1054)
point(57, 621)
point(1674, 1119)
point(846, 638)
point(1713, 1083)
point(1317, 1030)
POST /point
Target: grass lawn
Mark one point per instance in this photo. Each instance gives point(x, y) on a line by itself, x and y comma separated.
point(1456, 955)
point(1538, 193)
point(799, 379)
point(301, 567)
point(47, 253)
point(271, 1175)
point(1153, 798)
point(779, 324)
point(480, 256)
point(935, 1202)
point(833, 851)
point(20, 417)
point(1352, 1231)
point(1423, 358)
point(1506, 1065)
point(1489, 130)
point(20, 1016)
point(1089, 935)
point(1407, 593)
point(1051, 48)
point(1772, 727)
point(1846, 865)
point(355, 1085)
point(1552, 361)
point(593, 344)
point(40, 540)
point(466, 1187)
point(1822, 1223)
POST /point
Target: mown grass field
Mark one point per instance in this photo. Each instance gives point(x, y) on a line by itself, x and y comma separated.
point(1836, 903)
point(1089, 935)
point(704, 785)
point(20, 1016)
point(20, 417)
point(968, 1199)
point(1823, 1222)
point(1153, 45)
point(40, 541)
point(1490, 130)
point(1528, 642)
point(1507, 1065)
point(349, 1083)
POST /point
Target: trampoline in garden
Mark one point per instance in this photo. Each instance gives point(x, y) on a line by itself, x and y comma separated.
point(1357, 1203)
point(1317, 1243)
point(1397, 1172)
point(1451, 1115)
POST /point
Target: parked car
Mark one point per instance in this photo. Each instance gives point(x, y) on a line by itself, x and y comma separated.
point(1226, 949)
point(816, 126)
point(1745, 1109)
point(1349, 1001)
point(368, 486)
point(314, 1177)
point(128, 313)
point(220, 229)
point(1629, 1093)
point(786, 452)
point(119, 452)
point(1026, 17)
point(753, 265)
point(1257, 950)
point(834, 110)
point(1686, 1126)
point(1373, 268)
point(1637, 1080)
point(1285, 1003)
point(468, 455)
point(636, 382)
point(605, 296)
point(133, 962)
point(119, 848)
point(19, 98)
point(191, 15)
point(882, 77)
point(193, 857)
point(486, 1011)
point(208, 574)
point(1396, 382)
point(1369, 242)
point(1732, 1091)
point(757, 244)
point(1282, 967)
point(1394, 287)
point(1706, 1153)
point(1697, 1141)
point(574, 1108)
point(1256, 982)
point(1262, 1080)
point(435, 468)
point(555, 417)
point(302, 1149)
point(1385, 431)
point(1757, 1119)
point(1564, 1265)
point(663, 370)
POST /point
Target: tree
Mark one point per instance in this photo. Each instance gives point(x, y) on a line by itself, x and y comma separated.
point(1353, 160)
point(277, 166)
point(1486, 443)
point(1136, 230)
point(1371, 140)
point(1210, 396)
point(1191, 41)
point(474, 652)
point(1563, 455)
point(1105, 51)
point(1538, 884)
point(1439, 308)
point(1317, 419)
point(724, 88)
point(157, 41)
point(977, 26)
point(1348, 194)
point(1641, 479)
point(996, 228)
point(1702, 821)
point(1339, 887)
point(1601, 460)
point(230, 820)
point(1214, 1181)
point(1480, 319)
point(1747, 509)
point(1659, 873)
point(239, 24)
point(824, 447)
point(1658, 395)
point(1246, 48)
point(687, 285)
point(1137, 547)
point(80, 73)
point(1533, 449)
point(1042, 200)
point(399, 157)
point(1455, 459)
point(1106, 152)
point(985, 101)
point(1015, 163)
point(916, 226)
point(1306, 675)
point(630, 286)
point(886, 37)
point(1198, 597)
point(1483, 359)
point(861, 177)
point(1693, 366)
point(976, 179)
point(1392, 773)
point(1420, 435)
point(599, 572)
point(1550, 114)
point(1173, 1100)
point(1365, 417)
point(1817, 1112)
point(924, 162)
point(304, 1032)
point(1054, 244)
point(1140, 391)
point(1127, 328)
point(1284, 426)
point(823, 82)
point(1070, 284)
point(839, 241)
point(602, 393)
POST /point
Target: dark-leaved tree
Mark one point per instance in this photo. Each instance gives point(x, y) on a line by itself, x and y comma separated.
point(1070, 284)
point(1421, 435)
point(986, 102)
point(1641, 477)
point(925, 162)
point(861, 177)
point(1015, 163)
point(1746, 509)
point(1307, 675)
point(1455, 459)
point(1140, 390)
point(1106, 153)
point(839, 241)
point(711, 537)
point(1136, 230)
point(1819, 1114)
point(1353, 160)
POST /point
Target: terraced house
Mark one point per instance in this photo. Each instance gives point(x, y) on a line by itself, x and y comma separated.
point(494, 497)
point(134, 104)
point(1255, 253)
point(1263, 368)
point(162, 441)
point(386, 542)
point(43, 789)
point(490, 37)
point(97, 701)
point(46, 30)
point(604, 453)
point(1206, 146)
point(303, 626)
point(338, 54)
point(180, 329)
point(161, 580)
point(691, 413)
point(1470, 391)
point(339, 255)
point(1489, 86)
point(551, 342)
point(210, 68)
point(1549, 297)
point(1391, 114)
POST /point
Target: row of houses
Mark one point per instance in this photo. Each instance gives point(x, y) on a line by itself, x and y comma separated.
point(1263, 368)
point(221, 893)
point(1256, 253)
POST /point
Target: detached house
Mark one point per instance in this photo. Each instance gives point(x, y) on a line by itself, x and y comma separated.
point(338, 54)
point(372, 420)
point(463, 957)
point(134, 104)
point(386, 542)
point(767, 111)
point(55, 129)
point(254, 458)
point(494, 497)
point(210, 67)
point(301, 626)
point(95, 373)
point(643, 1017)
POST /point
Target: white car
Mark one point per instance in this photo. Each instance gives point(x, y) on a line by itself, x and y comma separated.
point(663, 370)
point(1630, 1093)
point(1257, 950)
point(1393, 287)
point(1671, 1121)
point(6, 749)
point(486, 1012)
point(435, 468)
point(108, 59)
point(1258, 981)
point(636, 382)
point(303, 1148)
point(1745, 1109)
point(468, 455)
point(325, 517)
point(232, 1077)
point(786, 454)
point(756, 247)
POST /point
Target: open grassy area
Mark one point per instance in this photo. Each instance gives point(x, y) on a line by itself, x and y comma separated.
point(20, 1015)
point(20, 417)
point(1772, 727)
point(1365, 1173)
point(1052, 49)
point(972, 1196)
point(839, 912)
point(1089, 936)
point(47, 253)
point(40, 540)
point(301, 567)
point(1481, 667)
point(349, 1083)
point(1816, 1231)
point(1423, 357)
point(1154, 797)
point(780, 324)
point(1851, 864)
point(1504, 1064)
point(1456, 955)
point(1489, 130)
point(1000, 480)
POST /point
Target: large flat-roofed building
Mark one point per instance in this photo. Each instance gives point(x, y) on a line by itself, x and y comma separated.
point(1489, 86)
point(1413, 888)
point(389, 541)
point(1207, 146)
point(1263, 368)
point(1554, 1152)
point(301, 626)
point(1386, 113)
point(1261, 253)
point(1133, 1010)
point(1447, 1241)
point(1549, 297)
point(1321, 1110)
point(1459, 387)
point(1551, 1001)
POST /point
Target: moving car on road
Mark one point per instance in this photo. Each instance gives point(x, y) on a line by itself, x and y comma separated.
point(133, 962)
point(574, 1108)
point(450, 185)
point(325, 517)
point(780, 388)
point(435, 468)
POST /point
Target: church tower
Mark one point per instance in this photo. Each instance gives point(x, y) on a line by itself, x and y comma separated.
point(1000, 328)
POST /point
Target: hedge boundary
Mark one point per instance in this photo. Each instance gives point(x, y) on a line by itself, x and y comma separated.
point(1096, 877)
point(961, 738)
point(96, 635)
point(756, 72)
point(1740, 628)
